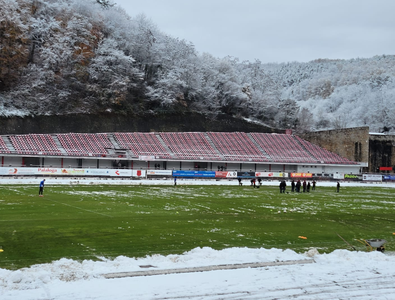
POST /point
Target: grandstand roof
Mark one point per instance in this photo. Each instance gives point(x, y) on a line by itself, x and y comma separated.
point(208, 146)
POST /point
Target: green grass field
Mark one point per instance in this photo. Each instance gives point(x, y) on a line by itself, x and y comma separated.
point(89, 222)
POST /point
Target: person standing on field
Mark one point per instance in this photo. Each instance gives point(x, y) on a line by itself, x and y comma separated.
point(338, 187)
point(283, 186)
point(41, 190)
point(298, 184)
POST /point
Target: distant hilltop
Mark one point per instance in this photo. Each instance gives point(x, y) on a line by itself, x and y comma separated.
point(89, 58)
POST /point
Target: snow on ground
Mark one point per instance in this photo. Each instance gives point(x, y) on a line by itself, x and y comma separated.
point(341, 274)
point(338, 275)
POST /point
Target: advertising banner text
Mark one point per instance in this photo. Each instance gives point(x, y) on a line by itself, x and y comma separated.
point(302, 175)
point(194, 174)
point(372, 177)
point(224, 174)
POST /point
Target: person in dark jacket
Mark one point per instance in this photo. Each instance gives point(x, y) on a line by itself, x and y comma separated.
point(283, 186)
point(41, 189)
point(298, 184)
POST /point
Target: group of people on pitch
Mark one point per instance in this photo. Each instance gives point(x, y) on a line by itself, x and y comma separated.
point(296, 186)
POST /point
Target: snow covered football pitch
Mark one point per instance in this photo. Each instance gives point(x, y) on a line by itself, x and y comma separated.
point(91, 222)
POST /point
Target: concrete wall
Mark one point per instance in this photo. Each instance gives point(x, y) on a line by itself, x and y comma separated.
point(173, 165)
point(52, 161)
point(12, 161)
point(105, 164)
point(89, 163)
point(351, 143)
point(140, 164)
point(70, 163)
point(357, 144)
point(186, 165)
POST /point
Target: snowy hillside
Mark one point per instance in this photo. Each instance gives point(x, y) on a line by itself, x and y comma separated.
point(83, 56)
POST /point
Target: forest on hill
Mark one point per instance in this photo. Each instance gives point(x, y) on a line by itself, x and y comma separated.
point(64, 57)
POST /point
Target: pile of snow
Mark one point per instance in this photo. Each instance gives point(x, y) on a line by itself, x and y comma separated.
point(341, 274)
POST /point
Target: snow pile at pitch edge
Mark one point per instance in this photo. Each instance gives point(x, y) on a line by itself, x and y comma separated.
point(69, 270)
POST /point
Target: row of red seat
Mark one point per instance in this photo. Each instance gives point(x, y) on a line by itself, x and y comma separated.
point(189, 145)
point(35, 144)
point(236, 146)
point(141, 144)
point(3, 146)
point(282, 148)
point(85, 144)
point(231, 146)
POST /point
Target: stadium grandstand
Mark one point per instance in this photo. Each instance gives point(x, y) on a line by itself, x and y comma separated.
point(163, 153)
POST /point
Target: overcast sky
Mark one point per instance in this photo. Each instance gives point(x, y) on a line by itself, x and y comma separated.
point(276, 30)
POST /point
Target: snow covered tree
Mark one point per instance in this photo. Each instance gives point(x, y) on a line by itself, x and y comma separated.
point(14, 46)
point(305, 121)
point(105, 3)
point(112, 74)
point(286, 117)
point(74, 56)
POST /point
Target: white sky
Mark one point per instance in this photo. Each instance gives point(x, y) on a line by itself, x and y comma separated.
point(276, 30)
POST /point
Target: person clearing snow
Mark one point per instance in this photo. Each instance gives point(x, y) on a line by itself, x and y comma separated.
point(41, 190)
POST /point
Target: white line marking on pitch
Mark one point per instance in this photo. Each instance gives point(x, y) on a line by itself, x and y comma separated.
point(91, 211)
